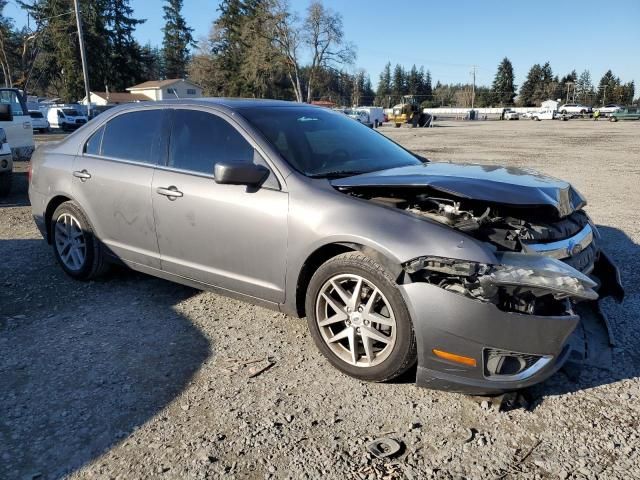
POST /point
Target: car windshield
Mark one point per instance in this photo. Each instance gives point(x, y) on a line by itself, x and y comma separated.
point(323, 144)
point(70, 112)
point(36, 115)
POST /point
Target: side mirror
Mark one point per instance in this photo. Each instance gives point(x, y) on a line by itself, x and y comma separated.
point(240, 173)
point(5, 113)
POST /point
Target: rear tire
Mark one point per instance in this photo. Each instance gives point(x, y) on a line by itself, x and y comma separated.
point(613, 119)
point(5, 183)
point(390, 347)
point(75, 247)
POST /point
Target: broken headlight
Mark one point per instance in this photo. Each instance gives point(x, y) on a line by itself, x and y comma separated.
point(516, 275)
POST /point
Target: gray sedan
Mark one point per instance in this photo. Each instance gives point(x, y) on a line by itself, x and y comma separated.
point(470, 271)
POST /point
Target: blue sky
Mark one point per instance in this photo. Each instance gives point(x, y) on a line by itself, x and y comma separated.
point(447, 37)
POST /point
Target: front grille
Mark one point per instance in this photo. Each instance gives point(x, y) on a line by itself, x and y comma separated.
point(584, 260)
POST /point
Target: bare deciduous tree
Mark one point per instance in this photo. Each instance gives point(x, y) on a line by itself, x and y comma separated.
point(287, 37)
point(324, 35)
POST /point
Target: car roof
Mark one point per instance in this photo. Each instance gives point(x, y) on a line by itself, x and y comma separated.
point(229, 104)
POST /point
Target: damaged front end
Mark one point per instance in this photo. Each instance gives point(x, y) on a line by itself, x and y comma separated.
point(519, 283)
point(489, 328)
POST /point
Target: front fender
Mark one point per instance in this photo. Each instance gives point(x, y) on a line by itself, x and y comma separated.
point(319, 215)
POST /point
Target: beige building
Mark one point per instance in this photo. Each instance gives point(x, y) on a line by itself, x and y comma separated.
point(167, 89)
point(113, 98)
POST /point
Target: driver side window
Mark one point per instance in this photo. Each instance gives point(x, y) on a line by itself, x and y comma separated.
point(200, 139)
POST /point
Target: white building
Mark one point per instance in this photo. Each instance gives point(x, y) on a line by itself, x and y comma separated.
point(550, 105)
point(167, 89)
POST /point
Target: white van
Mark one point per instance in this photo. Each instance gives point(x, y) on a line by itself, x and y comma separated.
point(66, 118)
point(376, 115)
point(16, 122)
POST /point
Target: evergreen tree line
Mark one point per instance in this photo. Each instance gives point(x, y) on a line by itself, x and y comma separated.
point(256, 48)
point(44, 57)
point(540, 85)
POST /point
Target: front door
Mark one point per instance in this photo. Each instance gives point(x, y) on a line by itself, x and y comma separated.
point(227, 236)
point(112, 183)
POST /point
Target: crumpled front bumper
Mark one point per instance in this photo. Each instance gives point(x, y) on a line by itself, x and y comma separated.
point(450, 322)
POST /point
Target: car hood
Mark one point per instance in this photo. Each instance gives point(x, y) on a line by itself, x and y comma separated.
point(496, 184)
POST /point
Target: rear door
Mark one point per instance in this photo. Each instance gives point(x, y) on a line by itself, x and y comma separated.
point(228, 236)
point(112, 183)
point(19, 131)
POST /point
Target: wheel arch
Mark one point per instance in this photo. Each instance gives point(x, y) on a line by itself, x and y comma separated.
point(54, 203)
point(327, 252)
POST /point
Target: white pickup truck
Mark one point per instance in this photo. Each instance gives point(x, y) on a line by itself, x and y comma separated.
point(543, 114)
point(16, 122)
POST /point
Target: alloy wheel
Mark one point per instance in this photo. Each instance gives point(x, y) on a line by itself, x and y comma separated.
point(356, 320)
point(70, 242)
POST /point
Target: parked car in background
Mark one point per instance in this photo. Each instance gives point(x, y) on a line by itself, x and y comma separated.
point(16, 122)
point(574, 108)
point(511, 115)
point(66, 118)
point(609, 109)
point(473, 272)
point(6, 164)
point(38, 121)
point(626, 113)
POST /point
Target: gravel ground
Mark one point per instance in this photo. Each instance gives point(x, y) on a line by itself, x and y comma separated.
point(135, 377)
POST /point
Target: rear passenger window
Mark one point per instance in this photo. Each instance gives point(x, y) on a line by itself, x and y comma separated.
point(199, 140)
point(135, 136)
point(92, 147)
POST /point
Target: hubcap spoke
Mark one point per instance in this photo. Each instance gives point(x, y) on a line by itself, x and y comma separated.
point(70, 241)
point(346, 298)
point(374, 334)
point(338, 317)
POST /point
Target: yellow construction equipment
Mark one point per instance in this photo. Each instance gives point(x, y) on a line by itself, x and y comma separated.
point(409, 112)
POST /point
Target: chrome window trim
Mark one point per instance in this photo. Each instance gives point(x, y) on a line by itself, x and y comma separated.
point(563, 248)
point(120, 160)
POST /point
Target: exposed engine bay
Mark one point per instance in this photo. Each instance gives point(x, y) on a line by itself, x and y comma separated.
point(567, 248)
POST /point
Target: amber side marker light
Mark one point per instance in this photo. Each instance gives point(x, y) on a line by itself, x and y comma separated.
point(452, 357)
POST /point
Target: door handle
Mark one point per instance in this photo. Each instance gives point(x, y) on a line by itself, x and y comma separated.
point(82, 175)
point(172, 192)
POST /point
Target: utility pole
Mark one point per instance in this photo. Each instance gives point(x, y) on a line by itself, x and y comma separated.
point(83, 57)
point(473, 88)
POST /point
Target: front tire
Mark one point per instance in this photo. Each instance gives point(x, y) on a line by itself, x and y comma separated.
point(75, 246)
point(358, 319)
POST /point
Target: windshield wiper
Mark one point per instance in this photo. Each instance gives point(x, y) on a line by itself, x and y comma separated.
point(337, 174)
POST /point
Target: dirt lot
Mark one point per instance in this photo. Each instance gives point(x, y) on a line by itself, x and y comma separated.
point(134, 377)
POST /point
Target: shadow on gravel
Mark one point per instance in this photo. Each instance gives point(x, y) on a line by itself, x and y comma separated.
point(18, 195)
point(82, 365)
point(607, 364)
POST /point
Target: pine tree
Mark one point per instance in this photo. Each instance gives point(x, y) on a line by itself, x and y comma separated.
point(398, 83)
point(126, 56)
point(178, 38)
point(528, 89)
point(503, 88)
point(413, 81)
point(384, 86)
